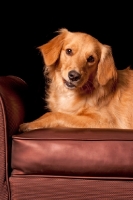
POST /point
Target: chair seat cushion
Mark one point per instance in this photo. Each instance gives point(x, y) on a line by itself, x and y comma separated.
point(73, 152)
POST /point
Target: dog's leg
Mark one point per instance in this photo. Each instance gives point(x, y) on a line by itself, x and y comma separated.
point(52, 120)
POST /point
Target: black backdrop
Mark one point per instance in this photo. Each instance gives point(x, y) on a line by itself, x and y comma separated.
point(24, 26)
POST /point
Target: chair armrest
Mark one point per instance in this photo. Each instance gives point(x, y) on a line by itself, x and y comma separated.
point(13, 104)
point(13, 93)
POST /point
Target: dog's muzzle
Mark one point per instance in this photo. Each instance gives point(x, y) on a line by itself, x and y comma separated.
point(74, 77)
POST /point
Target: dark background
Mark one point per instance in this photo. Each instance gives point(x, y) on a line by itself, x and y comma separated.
point(25, 26)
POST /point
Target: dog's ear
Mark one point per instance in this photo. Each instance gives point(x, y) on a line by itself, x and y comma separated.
point(51, 50)
point(106, 67)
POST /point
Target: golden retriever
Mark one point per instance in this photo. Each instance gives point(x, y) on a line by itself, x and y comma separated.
point(85, 89)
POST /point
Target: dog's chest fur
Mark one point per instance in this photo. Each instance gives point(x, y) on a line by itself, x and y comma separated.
point(69, 102)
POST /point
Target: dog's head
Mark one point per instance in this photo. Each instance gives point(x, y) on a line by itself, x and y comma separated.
point(78, 59)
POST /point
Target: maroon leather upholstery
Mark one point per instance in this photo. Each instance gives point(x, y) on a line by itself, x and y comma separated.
point(74, 152)
point(13, 91)
point(59, 163)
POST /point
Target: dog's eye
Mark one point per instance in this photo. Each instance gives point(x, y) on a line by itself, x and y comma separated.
point(90, 59)
point(69, 52)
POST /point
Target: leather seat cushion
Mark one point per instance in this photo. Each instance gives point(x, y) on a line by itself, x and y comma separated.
point(73, 152)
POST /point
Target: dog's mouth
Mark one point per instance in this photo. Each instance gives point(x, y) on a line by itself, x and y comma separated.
point(87, 87)
point(69, 84)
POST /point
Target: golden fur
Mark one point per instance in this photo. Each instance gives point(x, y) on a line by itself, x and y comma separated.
point(86, 90)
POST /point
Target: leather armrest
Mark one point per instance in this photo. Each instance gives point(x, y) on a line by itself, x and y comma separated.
point(13, 92)
point(13, 98)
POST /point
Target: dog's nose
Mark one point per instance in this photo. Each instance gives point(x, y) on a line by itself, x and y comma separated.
point(73, 75)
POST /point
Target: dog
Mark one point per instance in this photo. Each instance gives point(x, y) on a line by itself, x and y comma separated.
point(85, 88)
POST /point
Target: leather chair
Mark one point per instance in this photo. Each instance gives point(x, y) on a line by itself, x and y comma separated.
point(59, 163)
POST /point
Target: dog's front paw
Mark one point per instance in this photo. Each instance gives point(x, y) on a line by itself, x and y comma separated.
point(24, 127)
